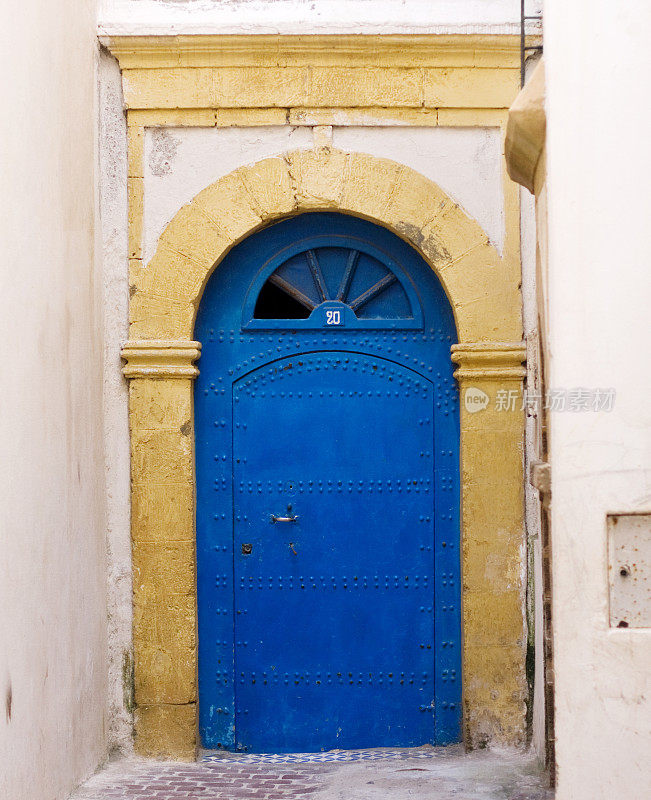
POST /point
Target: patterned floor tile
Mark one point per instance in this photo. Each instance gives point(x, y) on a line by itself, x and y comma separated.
point(316, 758)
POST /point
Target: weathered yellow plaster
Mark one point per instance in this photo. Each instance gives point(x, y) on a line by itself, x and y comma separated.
point(342, 116)
point(135, 268)
point(174, 117)
point(493, 708)
point(160, 511)
point(492, 541)
point(164, 583)
point(165, 644)
point(364, 86)
point(472, 117)
point(239, 81)
point(135, 197)
point(212, 72)
point(316, 86)
point(149, 313)
point(135, 150)
point(479, 87)
point(249, 117)
point(166, 731)
point(272, 50)
point(373, 116)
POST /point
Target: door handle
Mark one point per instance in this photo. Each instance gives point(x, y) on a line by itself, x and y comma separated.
point(288, 518)
point(274, 518)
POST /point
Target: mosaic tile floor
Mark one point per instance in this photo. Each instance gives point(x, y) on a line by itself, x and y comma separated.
point(377, 754)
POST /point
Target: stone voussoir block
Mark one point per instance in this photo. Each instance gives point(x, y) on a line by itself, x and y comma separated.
point(475, 273)
point(317, 177)
point(230, 207)
point(368, 185)
point(270, 186)
point(196, 235)
point(414, 201)
point(452, 231)
point(173, 274)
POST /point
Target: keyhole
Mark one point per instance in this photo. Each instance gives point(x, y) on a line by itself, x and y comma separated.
point(624, 572)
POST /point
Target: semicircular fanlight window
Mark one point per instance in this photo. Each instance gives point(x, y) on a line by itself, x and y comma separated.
point(320, 274)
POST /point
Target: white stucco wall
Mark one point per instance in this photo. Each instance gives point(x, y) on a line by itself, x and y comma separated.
point(180, 162)
point(312, 16)
point(115, 291)
point(52, 572)
point(599, 168)
point(532, 454)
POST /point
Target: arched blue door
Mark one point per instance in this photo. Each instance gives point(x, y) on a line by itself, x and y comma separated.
point(327, 494)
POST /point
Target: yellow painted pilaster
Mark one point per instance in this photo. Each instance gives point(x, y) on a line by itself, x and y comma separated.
point(163, 544)
point(492, 423)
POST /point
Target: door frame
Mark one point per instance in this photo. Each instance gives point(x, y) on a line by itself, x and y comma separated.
point(483, 290)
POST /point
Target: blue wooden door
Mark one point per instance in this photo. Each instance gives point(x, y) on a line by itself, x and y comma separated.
point(327, 494)
point(334, 569)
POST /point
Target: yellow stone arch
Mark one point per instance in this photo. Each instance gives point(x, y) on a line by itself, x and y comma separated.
point(484, 295)
point(483, 290)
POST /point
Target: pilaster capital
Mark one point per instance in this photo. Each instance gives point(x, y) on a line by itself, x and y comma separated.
point(489, 361)
point(161, 358)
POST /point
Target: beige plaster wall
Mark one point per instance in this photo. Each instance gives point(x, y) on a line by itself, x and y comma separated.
point(599, 284)
point(52, 577)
